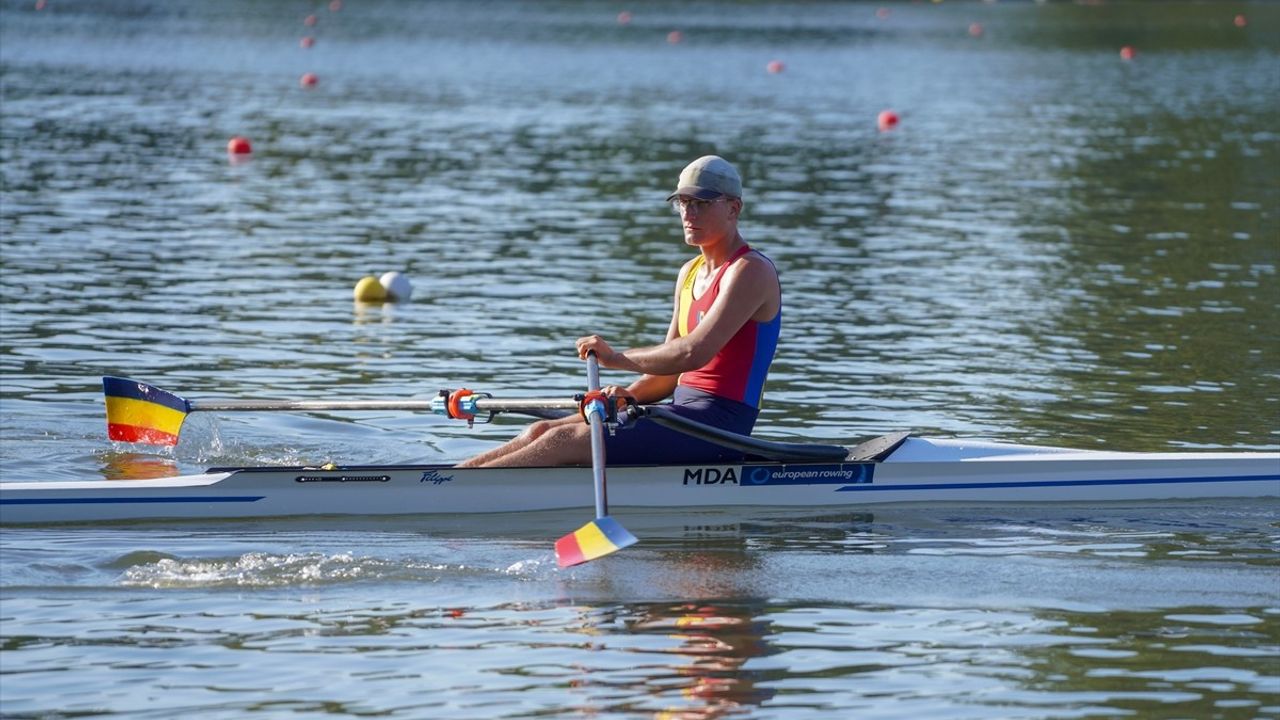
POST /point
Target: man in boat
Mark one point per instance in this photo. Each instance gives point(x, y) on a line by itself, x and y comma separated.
point(713, 363)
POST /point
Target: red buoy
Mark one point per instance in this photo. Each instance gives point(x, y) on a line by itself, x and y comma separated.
point(624, 18)
point(887, 120)
point(882, 13)
point(775, 67)
point(309, 80)
point(239, 146)
point(1127, 52)
point(675, 36)
point(335, 5)
point(40, 4)
point(1241, 21)
point(975, 29)
point(307, 42)
point(309, 21)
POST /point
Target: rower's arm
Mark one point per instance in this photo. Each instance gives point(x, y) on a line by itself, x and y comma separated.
point(746, 289)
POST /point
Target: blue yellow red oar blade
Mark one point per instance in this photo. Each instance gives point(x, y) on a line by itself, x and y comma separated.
point(142, 413)
point(595, 539)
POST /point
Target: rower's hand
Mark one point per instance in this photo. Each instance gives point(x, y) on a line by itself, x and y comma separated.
point(605, 355)
point(620, 396)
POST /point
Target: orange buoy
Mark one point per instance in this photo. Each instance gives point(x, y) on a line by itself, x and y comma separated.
point(675, 36)
point(1127, 52)
point(1241, 21)
point(309, 21)
point(307, 42)
point(975, 29)
point(887, 120)
point(239, 146)
point(775, 66)
point(308, 80)
point(624, 18)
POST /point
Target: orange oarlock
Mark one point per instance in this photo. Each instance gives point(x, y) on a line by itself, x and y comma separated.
point(452, 405)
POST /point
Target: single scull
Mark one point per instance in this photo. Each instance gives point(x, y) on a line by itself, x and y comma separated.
point(890, 469)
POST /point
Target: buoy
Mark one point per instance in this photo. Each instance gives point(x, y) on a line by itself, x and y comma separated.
point(308, 81)
point(309, 21)
point(675, 36)
point(886, 120)
point(975, 29)
point(239, 146)
point(1241, 21)
point(882, 13)
point(369, 290)
point(624, 18)
point(397, 286)
point(40, 4)
point(307, 42)
point(335, 5)
point(775, 66)
point(1127, 52)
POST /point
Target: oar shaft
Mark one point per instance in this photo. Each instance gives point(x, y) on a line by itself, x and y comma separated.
point(597, 438)
point(593, 372)
point(482, 404)
point(304, 405)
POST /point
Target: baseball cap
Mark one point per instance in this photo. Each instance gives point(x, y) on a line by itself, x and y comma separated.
point(708, 178)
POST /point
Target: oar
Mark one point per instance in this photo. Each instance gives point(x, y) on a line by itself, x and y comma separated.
point(603, 535)
point(142, 413)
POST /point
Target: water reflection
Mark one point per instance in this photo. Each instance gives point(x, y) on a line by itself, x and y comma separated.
point(716, 642)
point(137, 466)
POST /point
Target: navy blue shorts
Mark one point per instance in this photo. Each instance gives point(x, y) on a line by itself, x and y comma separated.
point(645, 442)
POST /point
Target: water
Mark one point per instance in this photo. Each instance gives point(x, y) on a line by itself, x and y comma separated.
point(1055, 246)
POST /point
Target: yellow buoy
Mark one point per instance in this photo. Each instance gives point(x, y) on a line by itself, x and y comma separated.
point(370, 290)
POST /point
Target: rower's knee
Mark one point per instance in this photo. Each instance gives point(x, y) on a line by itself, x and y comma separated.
point(538, 429)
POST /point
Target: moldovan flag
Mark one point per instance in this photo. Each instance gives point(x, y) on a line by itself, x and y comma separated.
point(141, 413)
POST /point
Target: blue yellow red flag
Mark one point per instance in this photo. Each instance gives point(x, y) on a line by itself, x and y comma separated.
point(142, 413)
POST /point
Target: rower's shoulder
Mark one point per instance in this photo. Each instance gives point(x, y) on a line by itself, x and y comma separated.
point(756, 264)
point(689, 266)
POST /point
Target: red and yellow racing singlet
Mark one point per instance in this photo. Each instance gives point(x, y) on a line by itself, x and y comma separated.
point(738, 371)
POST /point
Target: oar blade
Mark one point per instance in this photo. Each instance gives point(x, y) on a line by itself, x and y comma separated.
point(596, 539)
point(142, 413)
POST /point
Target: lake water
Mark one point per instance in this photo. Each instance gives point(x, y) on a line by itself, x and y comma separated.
point(1054, 246)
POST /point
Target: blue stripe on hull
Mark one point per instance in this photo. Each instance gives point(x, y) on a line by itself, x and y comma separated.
point(1057, 483)
point(125, 501)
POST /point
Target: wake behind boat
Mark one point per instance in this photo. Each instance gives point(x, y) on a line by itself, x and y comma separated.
point(891, 469)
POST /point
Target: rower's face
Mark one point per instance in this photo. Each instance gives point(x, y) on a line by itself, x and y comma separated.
point(705, 221)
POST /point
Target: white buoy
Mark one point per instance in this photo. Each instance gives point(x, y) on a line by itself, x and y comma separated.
point(398, 286)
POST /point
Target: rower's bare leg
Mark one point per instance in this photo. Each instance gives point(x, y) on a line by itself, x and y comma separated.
point(518, 443)
point(565, 444)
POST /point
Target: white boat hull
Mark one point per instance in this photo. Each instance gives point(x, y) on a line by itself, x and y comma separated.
point(920, 471)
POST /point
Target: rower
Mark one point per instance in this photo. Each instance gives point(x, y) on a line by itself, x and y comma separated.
point(727, 313)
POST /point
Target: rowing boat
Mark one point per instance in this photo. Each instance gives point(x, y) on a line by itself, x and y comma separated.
point(898, 468)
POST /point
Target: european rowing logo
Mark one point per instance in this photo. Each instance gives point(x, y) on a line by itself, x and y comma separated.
point(855, 474)
point(434, 477)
